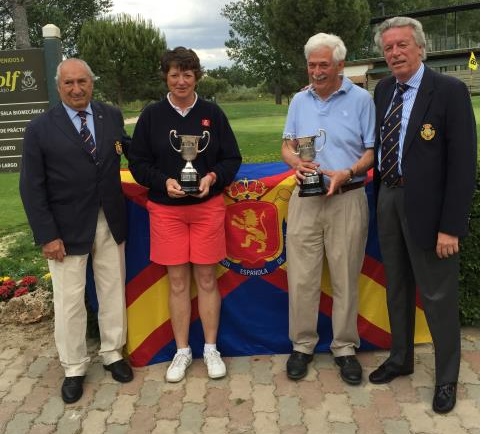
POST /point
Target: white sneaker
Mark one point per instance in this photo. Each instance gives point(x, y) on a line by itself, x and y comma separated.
point(176, 370)
point(215, 365)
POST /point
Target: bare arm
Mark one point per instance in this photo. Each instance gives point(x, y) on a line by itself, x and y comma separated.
point(360, 167)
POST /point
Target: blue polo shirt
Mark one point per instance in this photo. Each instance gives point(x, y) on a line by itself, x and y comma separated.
point(348, 118)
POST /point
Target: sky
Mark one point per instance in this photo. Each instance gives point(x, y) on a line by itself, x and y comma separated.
point(195, 24)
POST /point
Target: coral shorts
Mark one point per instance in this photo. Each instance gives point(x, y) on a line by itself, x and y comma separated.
point(187, 233)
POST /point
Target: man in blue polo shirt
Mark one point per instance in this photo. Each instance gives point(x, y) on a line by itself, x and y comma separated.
point(333, 225)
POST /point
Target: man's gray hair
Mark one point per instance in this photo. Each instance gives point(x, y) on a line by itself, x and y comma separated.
point(390, 23)
point(331, 41)
point(74, 59)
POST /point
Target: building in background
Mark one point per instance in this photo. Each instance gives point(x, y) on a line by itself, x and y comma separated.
point(452, 34)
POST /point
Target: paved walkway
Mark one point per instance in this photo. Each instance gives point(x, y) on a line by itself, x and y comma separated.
point(255, 397)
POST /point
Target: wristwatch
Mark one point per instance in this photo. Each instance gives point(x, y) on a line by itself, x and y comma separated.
point(351, 174)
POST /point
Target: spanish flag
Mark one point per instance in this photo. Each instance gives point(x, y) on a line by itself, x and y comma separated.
point(252, 279)
point(473, 63)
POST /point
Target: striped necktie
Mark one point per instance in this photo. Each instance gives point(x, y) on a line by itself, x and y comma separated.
point(88, 141)
point(390, 138)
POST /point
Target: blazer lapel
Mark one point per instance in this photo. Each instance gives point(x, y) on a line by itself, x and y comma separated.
point(385, 97)
point(421, 104)
point(65, 124)
point(99, 122)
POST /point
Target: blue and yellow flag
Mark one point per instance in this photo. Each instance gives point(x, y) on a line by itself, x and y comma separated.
point(473, 63)
point(252, 279)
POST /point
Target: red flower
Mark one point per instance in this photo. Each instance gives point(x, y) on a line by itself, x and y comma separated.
point(10, 283)
point(10, 288)
point(5, 292)
point(20, 291)
point(28, 281)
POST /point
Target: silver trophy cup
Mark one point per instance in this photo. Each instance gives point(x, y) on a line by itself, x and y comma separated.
point(188, 147)
point(313, 183)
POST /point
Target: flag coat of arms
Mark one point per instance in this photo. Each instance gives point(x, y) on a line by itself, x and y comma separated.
point(252, 279)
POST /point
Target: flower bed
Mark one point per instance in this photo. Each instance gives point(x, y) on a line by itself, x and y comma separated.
point(26, 300)
point(10, 288)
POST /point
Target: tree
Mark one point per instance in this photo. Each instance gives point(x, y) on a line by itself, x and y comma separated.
point(68, 15)
point(124, 52)
point(20, 22)
point(291, 23)
point(236, 75)
point(249, 44)
point(209, 87)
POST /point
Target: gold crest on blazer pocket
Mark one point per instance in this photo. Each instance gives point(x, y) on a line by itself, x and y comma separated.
point(118, 147)
point(427, 132)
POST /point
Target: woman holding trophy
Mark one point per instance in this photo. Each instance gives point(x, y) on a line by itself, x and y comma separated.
point(183, 149)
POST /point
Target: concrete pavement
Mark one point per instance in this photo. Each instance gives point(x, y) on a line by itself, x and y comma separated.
point(255, 397)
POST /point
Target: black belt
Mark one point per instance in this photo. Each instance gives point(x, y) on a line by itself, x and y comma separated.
point(348, 187)
point(398, 183)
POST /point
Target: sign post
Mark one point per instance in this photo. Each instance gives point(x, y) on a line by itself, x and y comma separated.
point(27, 89)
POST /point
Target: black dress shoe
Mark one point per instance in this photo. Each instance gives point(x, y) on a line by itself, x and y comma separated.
point(297, 365)
point(444, 398)
point(121, 371)
point(351, 371)
point(384, 374)
point(72, 389)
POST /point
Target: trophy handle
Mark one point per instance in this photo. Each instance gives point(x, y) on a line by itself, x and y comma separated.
point(173, 133)
point(290, 137)
point(205, 133)
point(322, 134)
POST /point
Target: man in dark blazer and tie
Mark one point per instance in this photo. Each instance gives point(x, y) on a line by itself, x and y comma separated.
point(71, 191)
point(423, 202)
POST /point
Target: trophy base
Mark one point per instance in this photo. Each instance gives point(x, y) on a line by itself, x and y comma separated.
point(194, 189)
point(312, 192)
point(189, 182)
point(313, 185)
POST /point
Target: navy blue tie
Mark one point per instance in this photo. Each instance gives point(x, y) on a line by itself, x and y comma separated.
point(390, 138)
point(87, 138)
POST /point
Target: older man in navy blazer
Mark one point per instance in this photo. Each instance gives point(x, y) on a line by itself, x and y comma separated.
point(425, 180)
point(71, 191)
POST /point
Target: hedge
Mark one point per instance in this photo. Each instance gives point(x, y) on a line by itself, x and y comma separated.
point(469, 273)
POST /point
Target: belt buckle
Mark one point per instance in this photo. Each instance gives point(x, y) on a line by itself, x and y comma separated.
point(398, 183)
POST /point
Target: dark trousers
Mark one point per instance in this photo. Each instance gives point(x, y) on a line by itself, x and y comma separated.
point(407, 265)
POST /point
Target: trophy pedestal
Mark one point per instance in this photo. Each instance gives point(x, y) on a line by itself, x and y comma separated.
point(313, 185)
point(189, 180)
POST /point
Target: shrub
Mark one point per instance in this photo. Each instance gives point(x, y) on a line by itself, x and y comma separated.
point(469, 274)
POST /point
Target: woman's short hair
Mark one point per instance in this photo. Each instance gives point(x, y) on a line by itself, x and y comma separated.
point(183, 58)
